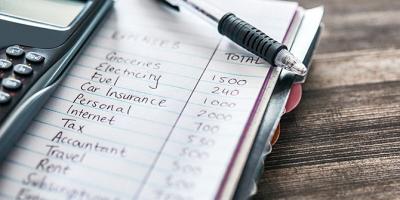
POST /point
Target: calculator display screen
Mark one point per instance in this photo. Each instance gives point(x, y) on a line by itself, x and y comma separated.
point(53, 12)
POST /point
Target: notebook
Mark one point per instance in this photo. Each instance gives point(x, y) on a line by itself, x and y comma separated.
point(158, 106)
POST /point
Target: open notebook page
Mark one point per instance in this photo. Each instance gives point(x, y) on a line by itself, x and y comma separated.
point(153, 109)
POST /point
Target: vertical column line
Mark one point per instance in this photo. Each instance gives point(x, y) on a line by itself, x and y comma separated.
point(151, 169)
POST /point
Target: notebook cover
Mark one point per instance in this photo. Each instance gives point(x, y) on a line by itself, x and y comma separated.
point(254, 167)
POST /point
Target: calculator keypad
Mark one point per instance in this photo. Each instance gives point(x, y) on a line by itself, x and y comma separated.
point(15, 51)
point(20, 67)
point(5, 64)
point(11, 83)
point(23, 69)
point(34, 57)
point(4, 97)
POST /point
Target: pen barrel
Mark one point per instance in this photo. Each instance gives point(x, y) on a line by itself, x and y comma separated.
point(249, 37)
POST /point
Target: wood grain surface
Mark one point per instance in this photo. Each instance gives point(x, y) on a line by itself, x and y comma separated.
point(343, 141)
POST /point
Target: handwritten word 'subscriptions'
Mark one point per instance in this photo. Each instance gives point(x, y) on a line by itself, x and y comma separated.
point(154, 109)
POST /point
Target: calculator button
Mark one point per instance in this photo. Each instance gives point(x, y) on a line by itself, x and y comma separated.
point(4, 97)
point(14, 51)
point(5, 64)
point(34, 57)
point(23, 69)
point(11, 83)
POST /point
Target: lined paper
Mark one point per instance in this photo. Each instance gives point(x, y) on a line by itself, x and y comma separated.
point(153, 109)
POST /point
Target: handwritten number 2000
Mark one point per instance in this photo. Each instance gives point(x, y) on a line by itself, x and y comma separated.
point(214, 115)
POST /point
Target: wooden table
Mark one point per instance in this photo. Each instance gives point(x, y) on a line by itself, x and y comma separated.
point(343, 141)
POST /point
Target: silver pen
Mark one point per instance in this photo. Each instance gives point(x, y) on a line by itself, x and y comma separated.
point(245, 35)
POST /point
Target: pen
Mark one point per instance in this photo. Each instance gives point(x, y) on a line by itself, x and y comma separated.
point(245, 35)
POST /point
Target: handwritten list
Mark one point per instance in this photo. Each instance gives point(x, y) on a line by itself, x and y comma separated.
point(153, 109)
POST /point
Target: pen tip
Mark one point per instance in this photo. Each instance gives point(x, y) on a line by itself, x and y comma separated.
point(300, 69)
point(288, 61)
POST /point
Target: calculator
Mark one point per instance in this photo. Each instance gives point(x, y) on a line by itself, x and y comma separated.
point(39, 40)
